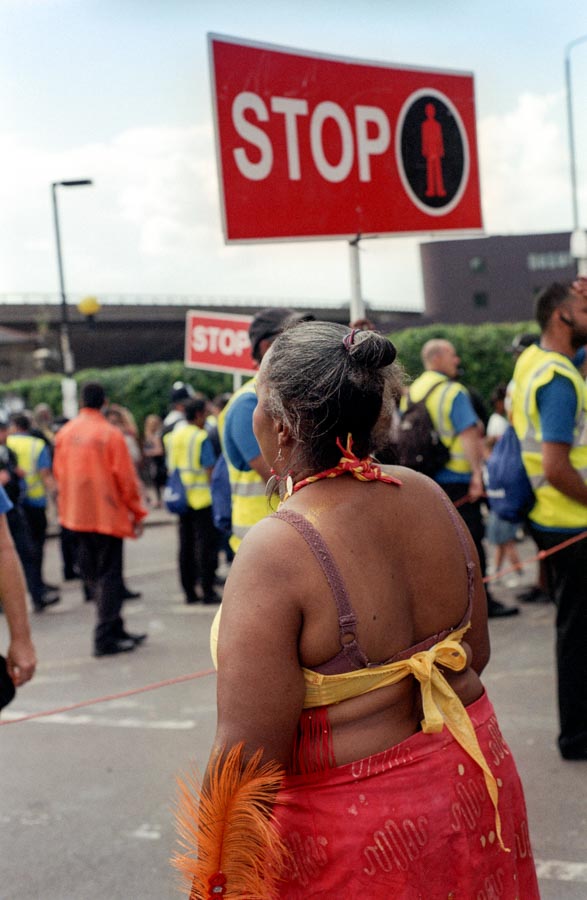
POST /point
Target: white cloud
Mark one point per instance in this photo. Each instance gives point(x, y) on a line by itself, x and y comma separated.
point(525, 168)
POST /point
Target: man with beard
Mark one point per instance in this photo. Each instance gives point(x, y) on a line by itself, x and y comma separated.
point(549, 401)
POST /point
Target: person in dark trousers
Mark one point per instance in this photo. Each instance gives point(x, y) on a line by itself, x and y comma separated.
point(12, 480)
point(189, 450)
point(99, 499)
point(549, 399)
point(33, 453)
point(457, 423)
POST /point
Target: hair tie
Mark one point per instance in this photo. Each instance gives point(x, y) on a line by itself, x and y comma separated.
point(349, 339)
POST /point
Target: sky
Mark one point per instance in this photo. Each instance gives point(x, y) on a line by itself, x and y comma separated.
point(118, 91)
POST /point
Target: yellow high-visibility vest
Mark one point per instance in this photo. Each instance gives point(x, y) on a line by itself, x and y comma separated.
point(183, 451)
point(534, 369)
point(28, 450)
point(439, 405)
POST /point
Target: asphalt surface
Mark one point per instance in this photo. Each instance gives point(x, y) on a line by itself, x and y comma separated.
point(87, 794)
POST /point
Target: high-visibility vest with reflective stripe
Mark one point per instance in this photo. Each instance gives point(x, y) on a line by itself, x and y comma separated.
point(249, 501)
point(439, 405)
point(534, 369)
point(183, 451)
point(28, 450)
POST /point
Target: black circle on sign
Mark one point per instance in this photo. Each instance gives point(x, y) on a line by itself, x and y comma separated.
point(416, 165)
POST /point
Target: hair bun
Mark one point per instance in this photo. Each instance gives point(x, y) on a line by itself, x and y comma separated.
point(370, 350)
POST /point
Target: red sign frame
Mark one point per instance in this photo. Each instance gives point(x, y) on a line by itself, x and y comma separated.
point(218, 342)
point(313, 146)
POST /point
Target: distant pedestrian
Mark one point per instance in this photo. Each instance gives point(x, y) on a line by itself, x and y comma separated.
point(457, 422)
point(190, 451)
point(33, 455)
point(180, 394)
point(500, 533)
point(99, 499)
point(12, 480)
point(154, 468)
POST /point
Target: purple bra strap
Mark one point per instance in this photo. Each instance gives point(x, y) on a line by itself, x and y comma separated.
point(347, 618)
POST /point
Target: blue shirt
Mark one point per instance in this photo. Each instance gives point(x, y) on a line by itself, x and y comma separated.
point(207, 454)
point(240, 443)
point(462, 416)
point(5, 504)
point(557, 406)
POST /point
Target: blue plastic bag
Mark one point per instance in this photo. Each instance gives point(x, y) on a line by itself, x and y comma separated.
point(174, 494)
point(507, 485)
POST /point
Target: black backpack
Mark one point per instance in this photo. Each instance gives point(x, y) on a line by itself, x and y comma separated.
point(418, 445)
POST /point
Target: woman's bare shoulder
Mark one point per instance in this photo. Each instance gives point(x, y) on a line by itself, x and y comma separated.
point(269, 553)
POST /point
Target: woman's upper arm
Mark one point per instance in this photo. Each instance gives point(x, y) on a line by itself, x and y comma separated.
point(260, 681)
point(477, 637)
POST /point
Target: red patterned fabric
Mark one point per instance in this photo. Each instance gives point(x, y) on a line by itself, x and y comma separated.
point(414, 822)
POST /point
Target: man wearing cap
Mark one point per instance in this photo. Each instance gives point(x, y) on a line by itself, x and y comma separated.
point(181, 394)
point(248, 471)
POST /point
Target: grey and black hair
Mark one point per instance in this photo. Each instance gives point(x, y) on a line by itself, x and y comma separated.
point(325, 381)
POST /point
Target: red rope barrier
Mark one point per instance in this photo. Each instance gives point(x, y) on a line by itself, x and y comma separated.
point(542, 554)
point(148, 687)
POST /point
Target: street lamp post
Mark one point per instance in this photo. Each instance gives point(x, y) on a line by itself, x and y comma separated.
point(67, 359)
point(578, 237)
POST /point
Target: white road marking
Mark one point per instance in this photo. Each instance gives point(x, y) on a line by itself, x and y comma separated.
point(89, 719)
point(561, 870)
point(147, 832)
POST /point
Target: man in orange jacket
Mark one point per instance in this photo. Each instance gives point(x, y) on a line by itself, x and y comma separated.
point(99, 500)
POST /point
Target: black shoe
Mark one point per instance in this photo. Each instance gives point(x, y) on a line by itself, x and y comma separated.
point(192, 598)
point(211, 597)
point(130, 595)
point(497, 610)
point(533, 595)
point(49, 588)
point(50, 598)
point(137, 638)
point(115, 645)
point(47, 600)
point(578, 753)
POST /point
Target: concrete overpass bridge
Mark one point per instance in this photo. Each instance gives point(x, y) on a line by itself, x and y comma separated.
point(135, 328)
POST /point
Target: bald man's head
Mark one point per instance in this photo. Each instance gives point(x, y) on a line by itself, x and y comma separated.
point(439, 355)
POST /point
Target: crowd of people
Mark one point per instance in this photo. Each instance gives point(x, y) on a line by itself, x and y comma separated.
point(354, 649)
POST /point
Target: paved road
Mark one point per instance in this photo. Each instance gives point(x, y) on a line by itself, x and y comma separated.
point(86, 795)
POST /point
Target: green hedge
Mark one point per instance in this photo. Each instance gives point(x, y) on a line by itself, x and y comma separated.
point(483, 350)
point(143, 389)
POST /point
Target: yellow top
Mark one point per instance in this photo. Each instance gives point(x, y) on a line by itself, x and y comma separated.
point(441, 706)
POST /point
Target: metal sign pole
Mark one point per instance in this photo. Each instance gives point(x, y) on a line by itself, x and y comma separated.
point(357, 309)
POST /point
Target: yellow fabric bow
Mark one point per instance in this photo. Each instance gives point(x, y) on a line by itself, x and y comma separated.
point(441, 706)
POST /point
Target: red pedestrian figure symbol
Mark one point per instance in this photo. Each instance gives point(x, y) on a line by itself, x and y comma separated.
point(433, 152)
